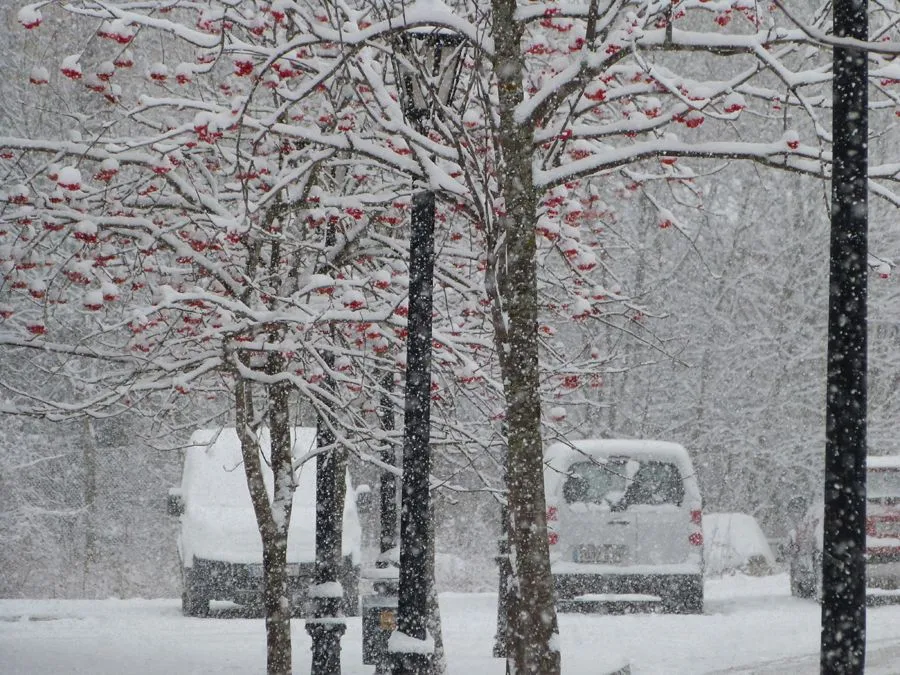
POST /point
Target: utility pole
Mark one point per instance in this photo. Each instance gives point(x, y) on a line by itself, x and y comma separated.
point(843, 647)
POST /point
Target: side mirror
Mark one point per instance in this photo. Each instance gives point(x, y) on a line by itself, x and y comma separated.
point(363, 498)
point(175, 502)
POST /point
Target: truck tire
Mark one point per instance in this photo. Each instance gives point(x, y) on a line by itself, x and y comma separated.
point(687, 597)
point(194, 602)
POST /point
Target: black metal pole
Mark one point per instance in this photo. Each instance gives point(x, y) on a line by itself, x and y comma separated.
point(843, 565)
point(415, 505)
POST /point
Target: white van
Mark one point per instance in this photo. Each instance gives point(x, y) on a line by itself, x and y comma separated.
point(625, 523)
point(219, 542)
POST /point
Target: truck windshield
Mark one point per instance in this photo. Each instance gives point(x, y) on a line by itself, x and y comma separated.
point(622, 483)
point(656, 483)
point(596, 483)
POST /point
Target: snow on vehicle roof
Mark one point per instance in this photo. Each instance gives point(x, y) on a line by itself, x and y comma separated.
point(883, 461)
point(214, 467)
point(219, 522)
point(564, 454)
point(560, 456)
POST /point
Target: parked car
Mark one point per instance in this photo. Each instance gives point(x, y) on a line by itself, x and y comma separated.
point(734, 542)
point(805, 543)
point(219, 542)
point(625, 519)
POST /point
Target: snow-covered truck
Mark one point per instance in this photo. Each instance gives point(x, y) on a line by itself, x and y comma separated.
point(625, 523)
point(219, 542)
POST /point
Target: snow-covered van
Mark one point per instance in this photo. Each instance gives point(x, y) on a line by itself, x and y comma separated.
point(625, 523)
point(806, 540)
point(219, 543)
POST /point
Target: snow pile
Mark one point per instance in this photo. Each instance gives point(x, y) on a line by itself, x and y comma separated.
point(734, 542)
point(401, 643)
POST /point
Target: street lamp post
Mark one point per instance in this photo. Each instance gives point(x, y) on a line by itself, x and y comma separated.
point(410, 645)
point(843, 646)
point(415, 498)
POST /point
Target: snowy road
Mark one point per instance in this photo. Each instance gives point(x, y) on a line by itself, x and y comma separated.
point(882, 658)
point(750, 626)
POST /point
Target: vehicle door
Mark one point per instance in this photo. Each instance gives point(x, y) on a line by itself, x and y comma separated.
point(591, 531)
point(655, 499)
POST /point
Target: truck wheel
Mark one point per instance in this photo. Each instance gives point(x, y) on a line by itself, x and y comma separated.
point(193, 601)
point(687, 597)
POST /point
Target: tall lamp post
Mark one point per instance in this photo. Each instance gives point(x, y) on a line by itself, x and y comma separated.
point(410, 645)
point(843, 648)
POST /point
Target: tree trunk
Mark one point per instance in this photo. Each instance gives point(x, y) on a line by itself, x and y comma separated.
point(273, 517)
point(90, 508)
point(515, 314)
point(433, 621)
point(324, 627)
point(388, 489)
point(505, 609)
point(277, 595)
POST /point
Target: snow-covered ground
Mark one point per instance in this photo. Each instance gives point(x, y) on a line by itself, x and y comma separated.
point(751, 625)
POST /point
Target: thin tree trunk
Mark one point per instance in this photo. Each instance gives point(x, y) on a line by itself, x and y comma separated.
point(515, 313)
point(324, 627)
point(388, 489)
point(273, 517)
point(439, 661)
point(90, 507)
point(277, 595)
